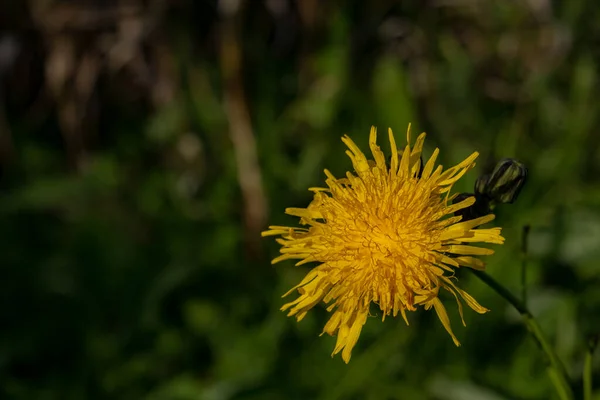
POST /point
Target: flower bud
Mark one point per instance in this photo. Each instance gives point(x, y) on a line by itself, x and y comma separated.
point(481, 184)
point(505, 182)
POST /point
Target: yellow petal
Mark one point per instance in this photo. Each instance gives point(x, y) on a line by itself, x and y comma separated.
point(277, 230)
point(470, 262)
point(403, 312)
point(376, 151)
point(471, 302)
point(404, 162)
point(460, 307)
point(333, 323)
point(491, 235)
point(287, 257)
point(416, 166)
point(468, 202)
point(450, 181)
point(466, 163)
point(450, 261)
point(353, 335)
point(467, 250)
point(394, 162)
point(452, 234)
point(307, 279)
point(430, 164)
point(436, 174)
point(415, 155)
point(443, 316)
point(470, 224)
point(418, 147)
point(305, 261)
point(340, 342)
point(304, 213)
point(359, 161)
point(305, 302)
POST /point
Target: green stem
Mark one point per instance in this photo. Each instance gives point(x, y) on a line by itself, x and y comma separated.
point(587, 377)
point(524, 250)
point(558, 373)
point(562, 390)
point(587, 369)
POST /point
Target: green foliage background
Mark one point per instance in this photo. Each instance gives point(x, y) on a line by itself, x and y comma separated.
point(128, 270)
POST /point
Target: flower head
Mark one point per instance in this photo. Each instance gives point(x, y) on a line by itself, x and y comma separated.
point(384, 235)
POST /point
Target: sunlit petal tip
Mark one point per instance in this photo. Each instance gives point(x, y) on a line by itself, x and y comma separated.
point(373, 134)
point(346, 139)
point(418, 147)
point(346, 356)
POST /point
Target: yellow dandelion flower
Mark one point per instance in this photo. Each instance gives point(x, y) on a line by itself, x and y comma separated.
point(385, 236)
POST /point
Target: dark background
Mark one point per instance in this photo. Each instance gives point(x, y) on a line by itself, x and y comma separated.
point(145, 144)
